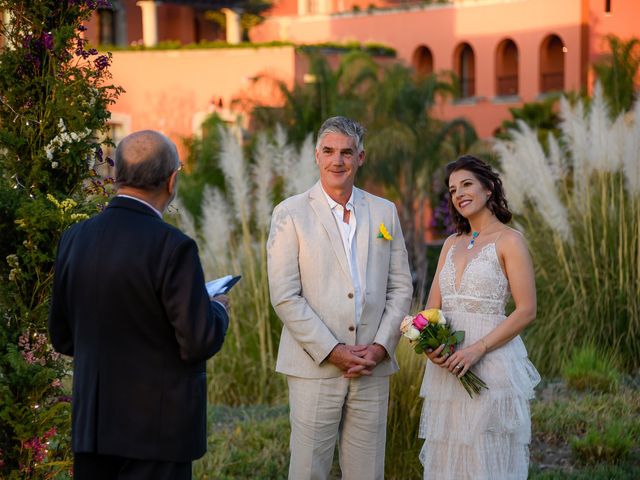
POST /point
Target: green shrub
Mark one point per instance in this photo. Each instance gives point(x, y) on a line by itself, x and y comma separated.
point(589, 369)
point(610, 445)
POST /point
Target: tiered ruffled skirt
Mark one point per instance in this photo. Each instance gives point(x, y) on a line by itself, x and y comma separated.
point(488, 436)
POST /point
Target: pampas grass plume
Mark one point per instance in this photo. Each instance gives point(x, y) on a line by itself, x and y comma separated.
point(233, 165)
point(262, 174)
point(215, 231)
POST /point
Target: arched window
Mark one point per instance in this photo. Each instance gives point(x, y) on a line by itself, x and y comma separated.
point(422, 61)
point(507, 68)
point(552, 53)
point(465, 65)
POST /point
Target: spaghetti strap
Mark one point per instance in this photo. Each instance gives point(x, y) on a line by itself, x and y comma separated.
point(500, 234)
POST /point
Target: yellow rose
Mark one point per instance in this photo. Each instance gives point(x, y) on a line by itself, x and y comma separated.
point(434, 315)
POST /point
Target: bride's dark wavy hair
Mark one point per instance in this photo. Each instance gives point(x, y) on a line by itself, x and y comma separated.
point(497, 202)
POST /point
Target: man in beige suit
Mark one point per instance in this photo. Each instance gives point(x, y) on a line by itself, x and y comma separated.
point(341, 289)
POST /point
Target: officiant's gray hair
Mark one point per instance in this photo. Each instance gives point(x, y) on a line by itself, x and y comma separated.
point(145, 160)
point(343, 126)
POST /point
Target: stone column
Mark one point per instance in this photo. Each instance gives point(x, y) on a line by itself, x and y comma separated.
point(303, 7)
point(149, 22)
point(234, 30)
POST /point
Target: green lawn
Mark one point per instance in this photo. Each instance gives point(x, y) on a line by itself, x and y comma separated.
point(252, 441)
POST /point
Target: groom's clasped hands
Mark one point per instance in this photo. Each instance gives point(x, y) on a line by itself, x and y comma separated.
point(357, 360)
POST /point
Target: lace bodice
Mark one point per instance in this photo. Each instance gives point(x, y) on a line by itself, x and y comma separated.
point(483, 287)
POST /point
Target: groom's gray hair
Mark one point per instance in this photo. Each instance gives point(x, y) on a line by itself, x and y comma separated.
point(343, 126)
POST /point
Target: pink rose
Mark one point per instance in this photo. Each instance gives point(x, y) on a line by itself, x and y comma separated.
point(420, 322)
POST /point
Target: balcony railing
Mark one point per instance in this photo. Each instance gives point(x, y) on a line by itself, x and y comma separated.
point(552, 82)
point(507, 85)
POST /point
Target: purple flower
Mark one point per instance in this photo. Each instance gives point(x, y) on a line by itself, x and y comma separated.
point(47, 40)
point(26, 41)
point(441, 216)
point(102, 62)
point(110, 161)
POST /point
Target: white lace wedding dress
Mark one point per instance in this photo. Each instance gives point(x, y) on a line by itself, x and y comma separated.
point(485, 437)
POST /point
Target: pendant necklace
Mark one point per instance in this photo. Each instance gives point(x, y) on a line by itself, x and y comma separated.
point(472, 242)
point(475, 234)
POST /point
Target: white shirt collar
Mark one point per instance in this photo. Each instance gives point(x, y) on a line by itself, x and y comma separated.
point(158, 212)
point(333, 204)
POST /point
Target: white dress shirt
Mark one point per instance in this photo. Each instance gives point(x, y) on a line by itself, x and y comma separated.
point(347, 234)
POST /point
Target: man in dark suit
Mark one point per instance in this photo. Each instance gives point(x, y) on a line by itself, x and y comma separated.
point(130, 305)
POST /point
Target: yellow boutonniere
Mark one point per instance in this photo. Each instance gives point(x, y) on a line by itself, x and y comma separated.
point(384, 233)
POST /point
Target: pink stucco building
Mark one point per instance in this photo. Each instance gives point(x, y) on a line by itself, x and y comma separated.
point(505, 52)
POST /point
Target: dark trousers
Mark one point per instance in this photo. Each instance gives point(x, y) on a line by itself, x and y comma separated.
point(93, 466)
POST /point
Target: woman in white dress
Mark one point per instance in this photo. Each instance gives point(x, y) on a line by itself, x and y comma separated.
point(485, 437)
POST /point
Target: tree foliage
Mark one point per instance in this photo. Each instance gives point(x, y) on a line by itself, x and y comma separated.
point(618, 73)
point(327, 92)
point(54, 94)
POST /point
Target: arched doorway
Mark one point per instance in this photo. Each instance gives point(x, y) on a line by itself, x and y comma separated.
point(465, 64)
point(507, 68)
point(552, 52)
point(422, 61)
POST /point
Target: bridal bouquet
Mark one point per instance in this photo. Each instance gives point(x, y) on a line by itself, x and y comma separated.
point(428, 330)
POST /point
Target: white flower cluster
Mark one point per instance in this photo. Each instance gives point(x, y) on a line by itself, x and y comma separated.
point(60, 143)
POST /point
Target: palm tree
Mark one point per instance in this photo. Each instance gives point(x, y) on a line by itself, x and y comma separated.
point(325, 93)
point(541, 116)
point(617, 73)
point(406, 146)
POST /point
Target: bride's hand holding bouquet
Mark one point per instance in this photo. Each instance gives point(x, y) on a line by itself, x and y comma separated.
point(460, 361)
point(430, 334)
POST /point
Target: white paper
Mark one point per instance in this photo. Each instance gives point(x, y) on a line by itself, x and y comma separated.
point(215, 287)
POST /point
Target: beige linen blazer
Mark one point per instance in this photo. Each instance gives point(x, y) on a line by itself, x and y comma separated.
point(311, 287)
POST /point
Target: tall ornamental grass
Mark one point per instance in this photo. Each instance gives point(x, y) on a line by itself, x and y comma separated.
point(577, 201)
point(232, 237)
point(403, 422)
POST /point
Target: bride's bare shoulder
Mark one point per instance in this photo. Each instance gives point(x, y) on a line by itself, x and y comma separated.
point(511, 240)
point(449, 242)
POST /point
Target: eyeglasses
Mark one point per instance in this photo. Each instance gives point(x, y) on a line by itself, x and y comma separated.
point(171, 210)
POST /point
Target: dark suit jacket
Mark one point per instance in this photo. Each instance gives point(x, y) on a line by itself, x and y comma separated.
point(129, 304)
